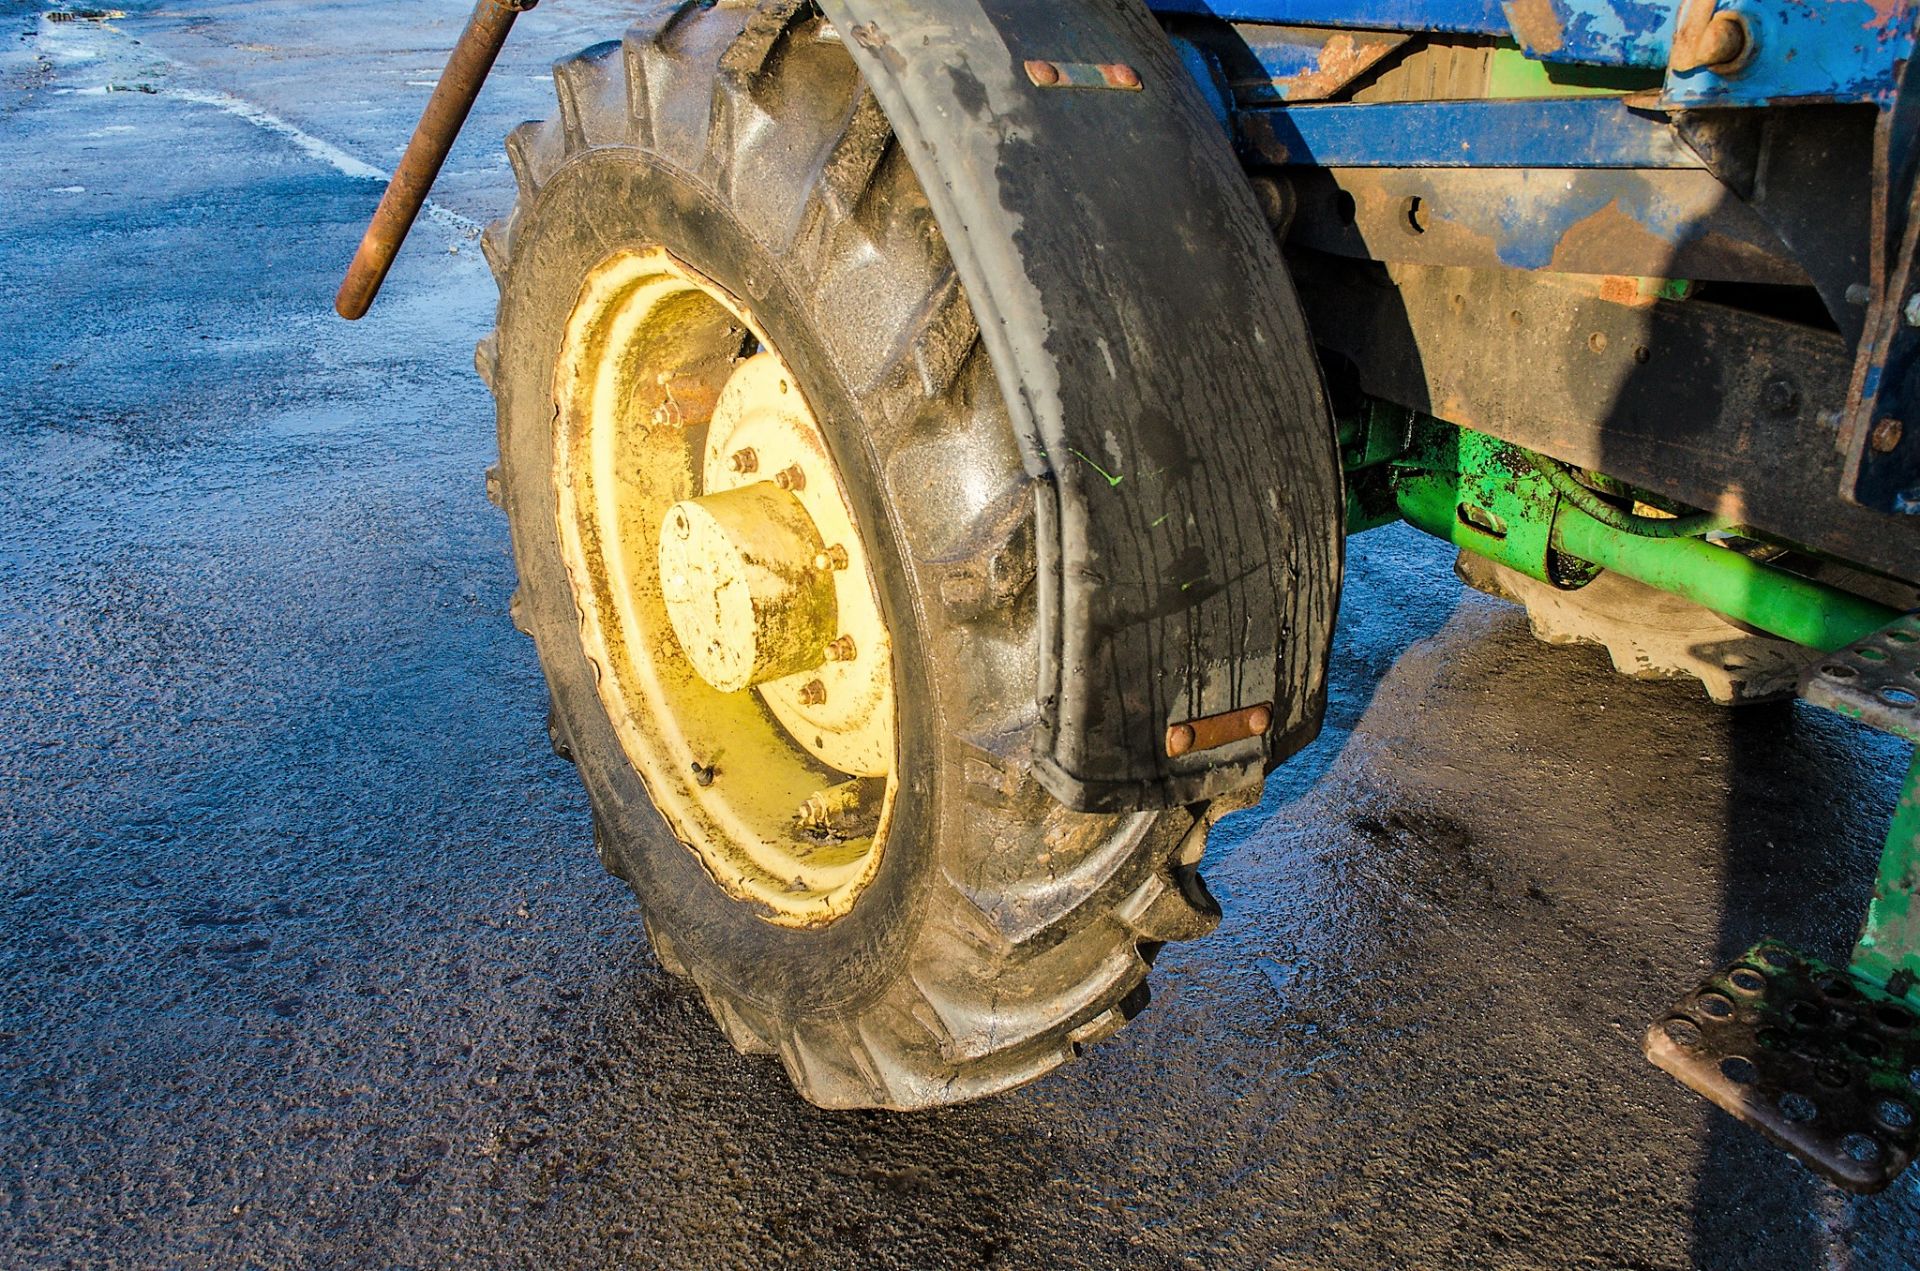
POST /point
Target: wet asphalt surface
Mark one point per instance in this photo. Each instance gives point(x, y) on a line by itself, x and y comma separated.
point(305, 958)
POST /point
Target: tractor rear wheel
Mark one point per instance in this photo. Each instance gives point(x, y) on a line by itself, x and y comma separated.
point(775, 544)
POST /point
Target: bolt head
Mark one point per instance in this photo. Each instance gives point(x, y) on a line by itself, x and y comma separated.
point(1912, 311)
point(1123, 76)
point(1179, 739)
point(744, 460)
point(835, 557)
point(1885, 437)
point(1725, 39)
point(790, 478)
point(1259, 719)
point(813, 693)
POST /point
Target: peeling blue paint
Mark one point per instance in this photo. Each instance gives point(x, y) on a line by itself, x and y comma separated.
point(1804, 50)
point(1546, 132)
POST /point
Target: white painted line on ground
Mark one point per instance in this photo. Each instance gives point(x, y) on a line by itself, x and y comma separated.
point(240, 108)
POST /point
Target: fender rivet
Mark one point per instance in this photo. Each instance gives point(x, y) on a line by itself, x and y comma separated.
point(1044, 74)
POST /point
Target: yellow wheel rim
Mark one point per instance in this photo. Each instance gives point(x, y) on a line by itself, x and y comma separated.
point(726, 597)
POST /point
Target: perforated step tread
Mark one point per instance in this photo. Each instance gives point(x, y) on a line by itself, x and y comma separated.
point(1875, 680)
point(1823, 1063)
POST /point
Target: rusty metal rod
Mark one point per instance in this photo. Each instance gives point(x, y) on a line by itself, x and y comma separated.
point(446, 111)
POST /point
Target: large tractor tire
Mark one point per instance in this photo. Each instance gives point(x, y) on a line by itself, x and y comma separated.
point(775, 546)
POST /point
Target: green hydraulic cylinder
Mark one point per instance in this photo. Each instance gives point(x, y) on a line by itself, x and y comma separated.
point(1782, 604)
point(1489, 497)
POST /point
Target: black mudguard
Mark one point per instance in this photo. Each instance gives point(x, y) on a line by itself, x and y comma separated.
point(1158, 370)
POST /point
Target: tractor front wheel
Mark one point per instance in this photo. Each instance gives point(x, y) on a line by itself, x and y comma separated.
point(776, 553)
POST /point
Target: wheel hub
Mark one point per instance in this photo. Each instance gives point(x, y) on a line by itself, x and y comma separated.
point(724, 589)
point(744, 596)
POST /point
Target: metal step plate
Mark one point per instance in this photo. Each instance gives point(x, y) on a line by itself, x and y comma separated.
point(1875, 680)
point(1821, 1062)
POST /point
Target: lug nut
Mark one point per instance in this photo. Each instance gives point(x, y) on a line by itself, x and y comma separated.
point(840, 649)
point(790, 478)
point(744, 460)
point(834, 557)
point(813, 693)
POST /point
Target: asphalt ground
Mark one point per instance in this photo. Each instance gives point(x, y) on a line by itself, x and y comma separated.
point(306, 960)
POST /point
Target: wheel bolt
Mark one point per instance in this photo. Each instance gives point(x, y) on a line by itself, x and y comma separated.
point(790, 478)
point(813, 693)
point(834, 557)
point(744, 460)
point(840, 649)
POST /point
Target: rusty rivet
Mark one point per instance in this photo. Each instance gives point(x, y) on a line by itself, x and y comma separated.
point(1885, 437)
point(790, 478)
point(1259, 719)
point(835, 557)
point(1044, 74)
point(813, 693)
point(1120, 75)
point(840, 649)
point(1179, 739)
point(745, 460)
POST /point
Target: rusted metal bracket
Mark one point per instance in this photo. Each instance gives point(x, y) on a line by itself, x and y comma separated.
point(1219, 730)
point(1046, 74)
point(446, 111)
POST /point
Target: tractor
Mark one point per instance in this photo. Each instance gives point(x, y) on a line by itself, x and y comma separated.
point(929, 431)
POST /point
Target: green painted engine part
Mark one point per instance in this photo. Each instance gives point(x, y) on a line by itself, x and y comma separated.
point(1488, 497)
point(1888, 951)
point(1779, 603)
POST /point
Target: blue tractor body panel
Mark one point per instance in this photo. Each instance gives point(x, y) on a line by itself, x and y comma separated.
point(1829, 50)
point(1605, 140)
